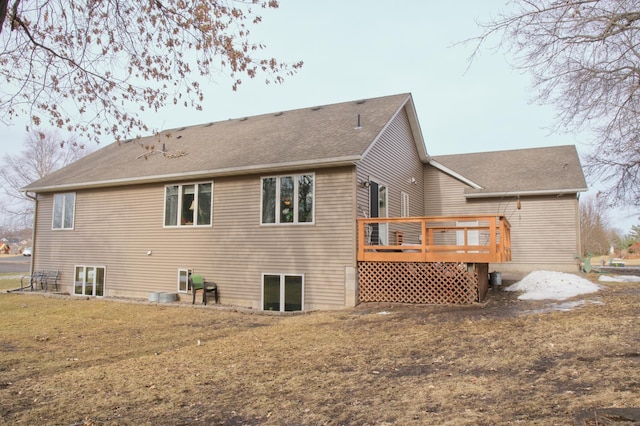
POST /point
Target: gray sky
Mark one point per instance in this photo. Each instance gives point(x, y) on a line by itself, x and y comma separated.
point(356, 49)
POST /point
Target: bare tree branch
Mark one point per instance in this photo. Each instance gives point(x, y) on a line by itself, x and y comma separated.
point(93, 67)
point(584, 57)
point(595, 230)
point(43, 152)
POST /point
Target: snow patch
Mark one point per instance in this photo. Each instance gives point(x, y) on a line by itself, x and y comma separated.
point(544, 285)
point(619, 278)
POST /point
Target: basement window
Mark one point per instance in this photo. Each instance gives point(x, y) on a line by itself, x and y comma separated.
point(89, 280)
point(282, 292)
point(183, 280)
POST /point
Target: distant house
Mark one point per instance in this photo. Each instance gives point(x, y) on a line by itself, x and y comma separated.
point(315, 208)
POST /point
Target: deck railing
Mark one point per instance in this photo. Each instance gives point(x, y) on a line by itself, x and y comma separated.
point(470, 239)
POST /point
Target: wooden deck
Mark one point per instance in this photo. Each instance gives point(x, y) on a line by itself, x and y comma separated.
point(468, 239)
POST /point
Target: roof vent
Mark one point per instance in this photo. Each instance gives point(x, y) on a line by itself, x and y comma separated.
point(358, 127)
point(316, 108)
point(278, 114)
point(244, 119)
point(361, 101)
point(181, 129)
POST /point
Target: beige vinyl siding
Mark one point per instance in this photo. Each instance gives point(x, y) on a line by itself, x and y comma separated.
point(544, 232)
point(443, 194)
point(320, 251)
point(116, 228)
point(393, 161)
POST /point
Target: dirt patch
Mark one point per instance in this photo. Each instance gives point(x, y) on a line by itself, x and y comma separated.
point(505, 361)
point(609, 416)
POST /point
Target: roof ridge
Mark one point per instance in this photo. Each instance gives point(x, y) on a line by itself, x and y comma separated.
point(277, 113)
point(502, 151)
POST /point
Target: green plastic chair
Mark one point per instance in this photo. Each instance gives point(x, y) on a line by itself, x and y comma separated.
point(197, 282)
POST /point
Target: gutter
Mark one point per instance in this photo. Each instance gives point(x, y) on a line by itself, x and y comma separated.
point(525, 193)
point(201, 174)
point(33, 230)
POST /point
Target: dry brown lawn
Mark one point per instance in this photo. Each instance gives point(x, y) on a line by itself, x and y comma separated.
point(73, 361)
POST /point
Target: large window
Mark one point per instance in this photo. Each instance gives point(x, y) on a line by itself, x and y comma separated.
point(281, 292)
point(188, 205)
point(288, 199)
point(89, 281)
point(63, 210)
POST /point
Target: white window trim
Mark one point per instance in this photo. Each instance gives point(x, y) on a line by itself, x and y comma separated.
point(179, 207)
point(188, 271)
point(282, 278)
point(404, 204)
point(472, 235)
point(296, 195)
point(104, 290)
point(64, 208)
point(386, 204)
point(383, 228)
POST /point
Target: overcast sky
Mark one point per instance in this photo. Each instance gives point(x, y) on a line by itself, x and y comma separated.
point(355, 49)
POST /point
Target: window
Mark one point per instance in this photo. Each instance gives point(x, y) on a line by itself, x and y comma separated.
point(89, 281)
point(287, 199)
point(63, 210)
point(404, 204)
point(188, 205)
point(183, 280)
point(378, 208)
point(467, 237)
point(282, 292)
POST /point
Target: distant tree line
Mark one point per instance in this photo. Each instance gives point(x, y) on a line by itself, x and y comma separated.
point(598, 235)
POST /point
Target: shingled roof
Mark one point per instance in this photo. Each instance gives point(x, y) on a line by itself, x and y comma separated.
point(322, 136)
point(549, 170)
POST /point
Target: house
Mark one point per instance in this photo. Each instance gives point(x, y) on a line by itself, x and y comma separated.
point(281, 210)
point(536, 189)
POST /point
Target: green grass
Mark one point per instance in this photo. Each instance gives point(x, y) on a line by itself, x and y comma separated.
point(10, 281)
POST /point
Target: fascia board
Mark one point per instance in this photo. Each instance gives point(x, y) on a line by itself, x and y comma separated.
point(525, 193)
point(456, 175)
point(269, 168)
point(415, 130)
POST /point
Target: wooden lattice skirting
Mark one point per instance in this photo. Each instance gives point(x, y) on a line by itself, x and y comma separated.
point(420, 283)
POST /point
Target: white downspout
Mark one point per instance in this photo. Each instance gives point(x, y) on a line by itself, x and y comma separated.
point(33, 231)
